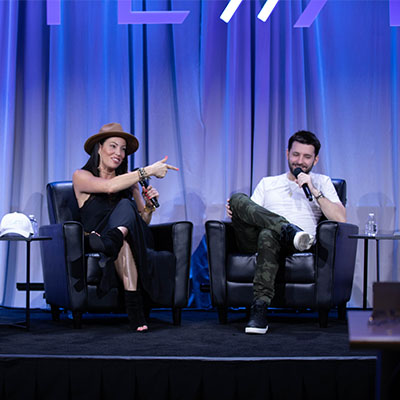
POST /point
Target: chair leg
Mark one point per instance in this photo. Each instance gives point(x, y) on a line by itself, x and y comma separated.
point(55, 312)
point(146, 311)
point(147, 305)
point(77, 319)
point(323, 317)
point(341, 310)
point(176, 315)
point(222, 315)
point(248, 312)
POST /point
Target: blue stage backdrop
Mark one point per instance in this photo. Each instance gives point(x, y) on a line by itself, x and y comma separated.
point(220, 99)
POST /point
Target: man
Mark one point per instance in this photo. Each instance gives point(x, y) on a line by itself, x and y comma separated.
point(280, 219)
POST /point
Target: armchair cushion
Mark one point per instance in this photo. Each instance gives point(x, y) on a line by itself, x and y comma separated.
point(299, 268)
point(242, 268)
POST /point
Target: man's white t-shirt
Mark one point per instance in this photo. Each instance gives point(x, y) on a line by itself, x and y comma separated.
point(284, 197)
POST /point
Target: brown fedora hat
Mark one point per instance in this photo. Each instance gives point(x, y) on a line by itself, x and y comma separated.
point(111, 130)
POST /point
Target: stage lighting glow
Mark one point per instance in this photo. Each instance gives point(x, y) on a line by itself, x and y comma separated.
point(267, 9)
point(230, 9)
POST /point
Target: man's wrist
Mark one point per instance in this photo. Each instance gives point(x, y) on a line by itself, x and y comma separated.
point(319, 196)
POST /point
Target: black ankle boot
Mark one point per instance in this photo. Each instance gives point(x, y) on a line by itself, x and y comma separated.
point(109, 244)
point(134, 308)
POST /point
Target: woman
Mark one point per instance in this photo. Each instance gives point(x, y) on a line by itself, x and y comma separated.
point(115, 215)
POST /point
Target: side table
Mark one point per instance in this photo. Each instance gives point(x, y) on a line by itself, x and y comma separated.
point(27, 286)
point(379, 236)
point(384, 337)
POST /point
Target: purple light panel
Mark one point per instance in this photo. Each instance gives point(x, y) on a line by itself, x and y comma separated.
point(394, 10)
point(53, 12)
point(126, 16)
point(311, 12)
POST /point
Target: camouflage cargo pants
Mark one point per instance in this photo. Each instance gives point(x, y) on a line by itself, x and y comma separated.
point(258, 230)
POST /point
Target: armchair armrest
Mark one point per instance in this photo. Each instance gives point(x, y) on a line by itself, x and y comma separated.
point(63, 263)
point(176, 237)
point(335, 262)
point(216, 251)
point(182, 242)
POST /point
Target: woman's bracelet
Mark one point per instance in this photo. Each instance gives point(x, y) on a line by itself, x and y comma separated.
point(142, 174)
point(149, 209)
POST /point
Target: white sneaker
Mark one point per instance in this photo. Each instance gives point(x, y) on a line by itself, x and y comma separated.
point(303, 241)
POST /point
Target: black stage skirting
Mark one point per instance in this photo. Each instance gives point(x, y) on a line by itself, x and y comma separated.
point(198, 360)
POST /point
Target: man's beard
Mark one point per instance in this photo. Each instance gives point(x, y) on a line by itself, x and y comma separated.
point(307, 171)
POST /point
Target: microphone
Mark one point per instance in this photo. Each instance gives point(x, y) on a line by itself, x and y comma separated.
point(305, 187)
point(145, 184)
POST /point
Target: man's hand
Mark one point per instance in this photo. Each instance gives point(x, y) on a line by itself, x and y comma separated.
point(332, 211)
point(304, 178)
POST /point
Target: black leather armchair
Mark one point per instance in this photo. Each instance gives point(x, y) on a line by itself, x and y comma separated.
point(318, 280)
point(70, 275)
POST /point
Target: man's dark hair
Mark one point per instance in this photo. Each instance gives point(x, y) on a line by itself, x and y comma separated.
point(92, 164)
point(305, 137)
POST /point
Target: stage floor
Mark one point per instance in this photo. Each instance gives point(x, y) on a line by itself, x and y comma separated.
point(200, 335)
point(199, 360)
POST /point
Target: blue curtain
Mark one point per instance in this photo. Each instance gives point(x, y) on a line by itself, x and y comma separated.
point(221, 100)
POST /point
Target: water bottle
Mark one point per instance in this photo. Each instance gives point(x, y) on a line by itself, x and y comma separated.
point(35, 226)
point(371, 227)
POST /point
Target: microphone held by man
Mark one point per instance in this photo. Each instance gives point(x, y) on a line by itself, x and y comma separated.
point(305, 187)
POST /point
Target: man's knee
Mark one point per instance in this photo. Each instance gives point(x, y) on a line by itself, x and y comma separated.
point(236, 199)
